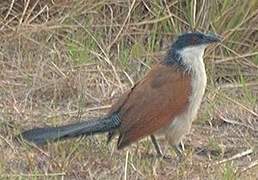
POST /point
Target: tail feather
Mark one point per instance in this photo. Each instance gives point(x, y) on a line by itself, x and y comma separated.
point(41, 136)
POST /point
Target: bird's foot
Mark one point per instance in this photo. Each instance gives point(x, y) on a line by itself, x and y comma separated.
point(160, 155)
point(166, 157)
point(179, 150)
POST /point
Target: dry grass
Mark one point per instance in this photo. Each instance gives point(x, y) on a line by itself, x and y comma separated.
point(64, 60)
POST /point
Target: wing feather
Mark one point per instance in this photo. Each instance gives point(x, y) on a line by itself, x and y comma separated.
point(153, 103)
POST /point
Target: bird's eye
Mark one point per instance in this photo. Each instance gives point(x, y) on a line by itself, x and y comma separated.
point(202, 37)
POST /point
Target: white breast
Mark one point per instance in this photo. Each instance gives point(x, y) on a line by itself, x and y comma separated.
point(192, 58)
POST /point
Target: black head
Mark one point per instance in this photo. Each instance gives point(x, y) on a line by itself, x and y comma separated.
point(194, 39)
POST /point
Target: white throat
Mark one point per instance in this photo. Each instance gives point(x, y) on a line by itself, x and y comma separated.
point(192, 57)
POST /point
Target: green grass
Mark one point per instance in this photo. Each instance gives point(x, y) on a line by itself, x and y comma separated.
point(228, 172)
point(62, 62)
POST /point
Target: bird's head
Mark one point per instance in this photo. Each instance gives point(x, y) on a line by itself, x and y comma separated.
point(194, 39)
point(188, 48)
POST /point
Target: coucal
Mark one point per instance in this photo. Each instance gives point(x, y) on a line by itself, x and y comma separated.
point(165, 101)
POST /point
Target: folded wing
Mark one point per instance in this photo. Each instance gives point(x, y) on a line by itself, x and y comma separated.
point(152, 103)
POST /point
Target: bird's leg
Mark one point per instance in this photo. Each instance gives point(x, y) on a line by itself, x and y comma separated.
point(156, 145)
point(182, 146)
point(179, 149)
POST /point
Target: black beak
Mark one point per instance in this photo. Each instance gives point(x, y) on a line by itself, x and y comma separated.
point(212, 38)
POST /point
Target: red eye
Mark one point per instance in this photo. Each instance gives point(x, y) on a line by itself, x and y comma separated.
point(193, 40)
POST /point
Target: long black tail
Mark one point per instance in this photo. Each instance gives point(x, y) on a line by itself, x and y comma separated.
point(41, 136)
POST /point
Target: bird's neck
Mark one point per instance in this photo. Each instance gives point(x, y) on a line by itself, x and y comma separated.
point(189, 59)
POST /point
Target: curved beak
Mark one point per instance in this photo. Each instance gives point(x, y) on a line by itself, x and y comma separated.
point(212, 38)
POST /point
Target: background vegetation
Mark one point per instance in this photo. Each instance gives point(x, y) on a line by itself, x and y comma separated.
point(64, 60)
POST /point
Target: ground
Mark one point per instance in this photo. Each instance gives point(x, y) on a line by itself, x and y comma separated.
point(63, 61)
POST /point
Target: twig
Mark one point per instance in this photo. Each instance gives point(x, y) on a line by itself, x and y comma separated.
point(159, 20)
point(9, 10)
point(236, 156)
point(121, 29)
point(99, 108)
point(137, 170)
point(129, 78)
point(194, 13)
point(57, 68)
point(33, 175)
point(126, 165)
point(248, 63)
point(40, 150)
point(235, 122)
point(230, 85)
point(106, 58)
point(40, 12)
point(251, 165)
point(24, 12)
point(7, 142)
point(63, 113)
point(236, 57)
point(99, 56)
point(171, 16)
point(239, 104)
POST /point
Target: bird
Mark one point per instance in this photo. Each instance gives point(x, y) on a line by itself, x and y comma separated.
point(164, 102)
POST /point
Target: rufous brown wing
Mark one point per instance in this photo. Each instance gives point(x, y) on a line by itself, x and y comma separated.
point(152, 103)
